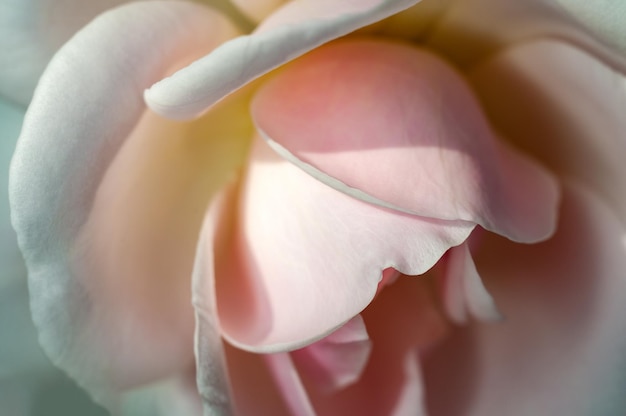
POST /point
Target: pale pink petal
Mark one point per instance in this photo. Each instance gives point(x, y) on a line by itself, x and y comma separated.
point(402, 321)
point(471, 31)
point(396, 126)
point(337, 360)
point(464, 291)
point(290, 384)
point(564, 107)
point(306, 258)
point(560, 350)
point(107, 199)
point(293, 30)
point(31, 31)
point(257, 10)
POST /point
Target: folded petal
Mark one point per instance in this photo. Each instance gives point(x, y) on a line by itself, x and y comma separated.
point(403, 321)
point(563, 106)
point(561, 349)
point(464, 292)
point(306, 259)
point(293, 30)
point(107, 199)
point(337, 360)
point(397, 127)
point(31, 31)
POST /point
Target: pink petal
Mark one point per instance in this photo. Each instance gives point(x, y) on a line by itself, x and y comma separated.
point(290, 384)
point(107, 201)
point(368, 118)
point(464, 291)
point(31, 31)
point(337, 360)
point(565, 107)
point(305, 258)
point(293, 30)
point(561, 349)
point(402, 321)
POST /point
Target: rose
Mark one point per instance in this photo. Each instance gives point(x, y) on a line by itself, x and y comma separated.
point(573, 202)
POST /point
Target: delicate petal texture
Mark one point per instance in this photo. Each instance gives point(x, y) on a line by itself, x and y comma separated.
point(473, 30)
point(396, 126)
point(31, 31)
point(402, 322)
point(293, 30)
point(606, 17)
point(257, 10)
point(111, 325)
point(561, 350)
point(177, 395)
point(464, 291)
point(563, 106)
point(276, 295)
point(337, 360)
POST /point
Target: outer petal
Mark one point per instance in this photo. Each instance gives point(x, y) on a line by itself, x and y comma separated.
point(563, 106)
point(561, 349)
point(307, 258)
point(396, 126)
point(31, 31)
point(107, 317)
point(293, 30)
point(473, 30)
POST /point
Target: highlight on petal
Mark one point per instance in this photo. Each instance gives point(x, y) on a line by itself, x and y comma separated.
point(31, 31)
point(396, 126)
point(293, 30)
point(338, 360)
point(564, 301)
point(105, 197)
point(464, 291)
point(305, 258)
point(565, 107)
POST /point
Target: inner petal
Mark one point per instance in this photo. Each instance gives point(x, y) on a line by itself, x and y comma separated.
point(398, 127)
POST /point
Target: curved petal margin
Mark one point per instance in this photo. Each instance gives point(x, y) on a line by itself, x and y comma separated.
point(88, 102)
point(291, 31)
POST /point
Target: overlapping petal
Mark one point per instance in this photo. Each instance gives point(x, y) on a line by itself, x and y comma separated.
point(395, 126)
point(91, 218)
point(273, 294)
point(568, 112)
point(291, 31)
point(561, 348)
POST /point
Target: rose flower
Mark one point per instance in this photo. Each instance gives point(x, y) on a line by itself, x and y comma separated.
point(376, 207)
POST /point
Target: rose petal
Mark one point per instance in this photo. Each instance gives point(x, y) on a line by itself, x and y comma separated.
point(397, 127)
point(306, 258)
point(294, 393)
point(257, 10)
point(565, 107)
point(402, 321)
point(176, 395)
point(464, 291)
point(293, 30)
point(31, 31)
point(606, 19)
point(337, 360)
point(110, 325)
point(561, 349)
point(473, 30)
